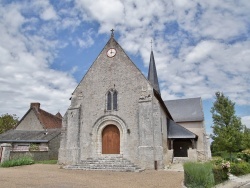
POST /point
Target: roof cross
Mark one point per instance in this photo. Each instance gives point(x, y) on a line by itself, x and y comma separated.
point(112, 32)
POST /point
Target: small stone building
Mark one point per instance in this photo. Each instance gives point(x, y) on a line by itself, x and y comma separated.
point(117, 116)
point(37, 135)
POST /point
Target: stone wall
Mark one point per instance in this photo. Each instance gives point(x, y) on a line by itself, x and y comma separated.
point(50, 154)
point(5, 152)
point(30, 122)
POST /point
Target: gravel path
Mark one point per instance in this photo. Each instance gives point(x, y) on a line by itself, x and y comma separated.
point(42, 175)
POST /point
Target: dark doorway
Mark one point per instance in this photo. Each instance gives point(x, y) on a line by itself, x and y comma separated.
point(181, 148)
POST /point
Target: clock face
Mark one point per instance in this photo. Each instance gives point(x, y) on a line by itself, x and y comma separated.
point(111, 52)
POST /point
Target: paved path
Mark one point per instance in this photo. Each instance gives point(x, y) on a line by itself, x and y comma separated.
point(236, 182)
point(51, 176)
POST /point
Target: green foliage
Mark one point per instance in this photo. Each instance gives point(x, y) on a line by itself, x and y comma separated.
point(246, 138)
point(220, 175)
point(229, 156)
point(18, 162)
point(244, 155)
point(240, 168)
point(34, 147)
point(7, 122)
point(220, 169)
point(47, 162)
point(227, 127)
point(198, 175)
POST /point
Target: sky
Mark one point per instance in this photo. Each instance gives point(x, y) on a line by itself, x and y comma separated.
point(200, 47)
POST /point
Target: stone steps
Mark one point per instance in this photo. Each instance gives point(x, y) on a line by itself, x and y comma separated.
point(106, 163)
point(181, 160)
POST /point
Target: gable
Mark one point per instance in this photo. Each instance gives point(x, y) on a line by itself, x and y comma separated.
point(29, 122)
point(115, 70)
point(38, 119)
point(117, 73)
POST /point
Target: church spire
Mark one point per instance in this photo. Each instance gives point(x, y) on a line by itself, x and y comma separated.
point(152, 73)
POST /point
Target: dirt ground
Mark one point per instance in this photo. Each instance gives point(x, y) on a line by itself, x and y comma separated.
point(43, 175)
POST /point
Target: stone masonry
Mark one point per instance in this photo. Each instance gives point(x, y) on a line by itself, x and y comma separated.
point(139, 117)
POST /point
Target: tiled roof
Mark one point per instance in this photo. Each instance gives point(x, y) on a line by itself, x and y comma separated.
point(48, 120)
point(183, 110)
point(29, 136)
point(177, 131)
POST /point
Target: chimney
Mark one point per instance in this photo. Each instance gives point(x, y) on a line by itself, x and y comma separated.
point(35, 105)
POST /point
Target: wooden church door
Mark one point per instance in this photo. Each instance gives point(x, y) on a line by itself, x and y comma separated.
point(111, 140)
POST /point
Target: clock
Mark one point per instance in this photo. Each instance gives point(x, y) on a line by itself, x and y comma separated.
point(111, 52)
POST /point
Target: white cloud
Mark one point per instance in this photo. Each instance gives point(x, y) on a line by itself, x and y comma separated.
point(86, 39)
point(107, 12)
point(25, 62)
point(246, 121)
point(199, 47)
point(48, 14)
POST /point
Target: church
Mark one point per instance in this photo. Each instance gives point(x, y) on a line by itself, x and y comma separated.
point(118, 120)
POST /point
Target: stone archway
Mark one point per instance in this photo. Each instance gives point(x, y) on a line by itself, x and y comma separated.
point(110, 140)
point(104, 122)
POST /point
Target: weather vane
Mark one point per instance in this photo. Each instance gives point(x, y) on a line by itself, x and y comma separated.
point(151, 44)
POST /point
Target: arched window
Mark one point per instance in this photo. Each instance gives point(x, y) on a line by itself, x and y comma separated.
point(109, 100)
point(112, 100)
point(115, 100)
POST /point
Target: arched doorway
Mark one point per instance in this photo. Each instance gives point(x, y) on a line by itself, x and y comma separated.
point(111, 140)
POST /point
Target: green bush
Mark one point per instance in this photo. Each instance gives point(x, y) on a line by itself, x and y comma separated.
point(220, 174)
point(34, 147)
point(198, 175)
point(18, 162)
point(240, 168)
point(244, 155)
point(220, 169)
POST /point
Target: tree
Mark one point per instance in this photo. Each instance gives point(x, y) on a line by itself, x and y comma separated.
point(227, 127)
point(246, 138)
point(7, 122)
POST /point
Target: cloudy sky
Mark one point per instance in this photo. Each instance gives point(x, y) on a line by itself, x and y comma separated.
point(200, 47)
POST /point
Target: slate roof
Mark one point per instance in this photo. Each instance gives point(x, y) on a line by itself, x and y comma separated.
point(19, 136)
point(185, 110)
point(48, 120)
point(152, 73)
point(177, 131)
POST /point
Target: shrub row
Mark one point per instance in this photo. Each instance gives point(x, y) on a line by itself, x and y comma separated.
point(198, 175)
point(212, 173)
point(18, 162)
point(240, 168)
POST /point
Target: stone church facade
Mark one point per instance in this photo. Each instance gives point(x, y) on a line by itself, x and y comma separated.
point(116, 111)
